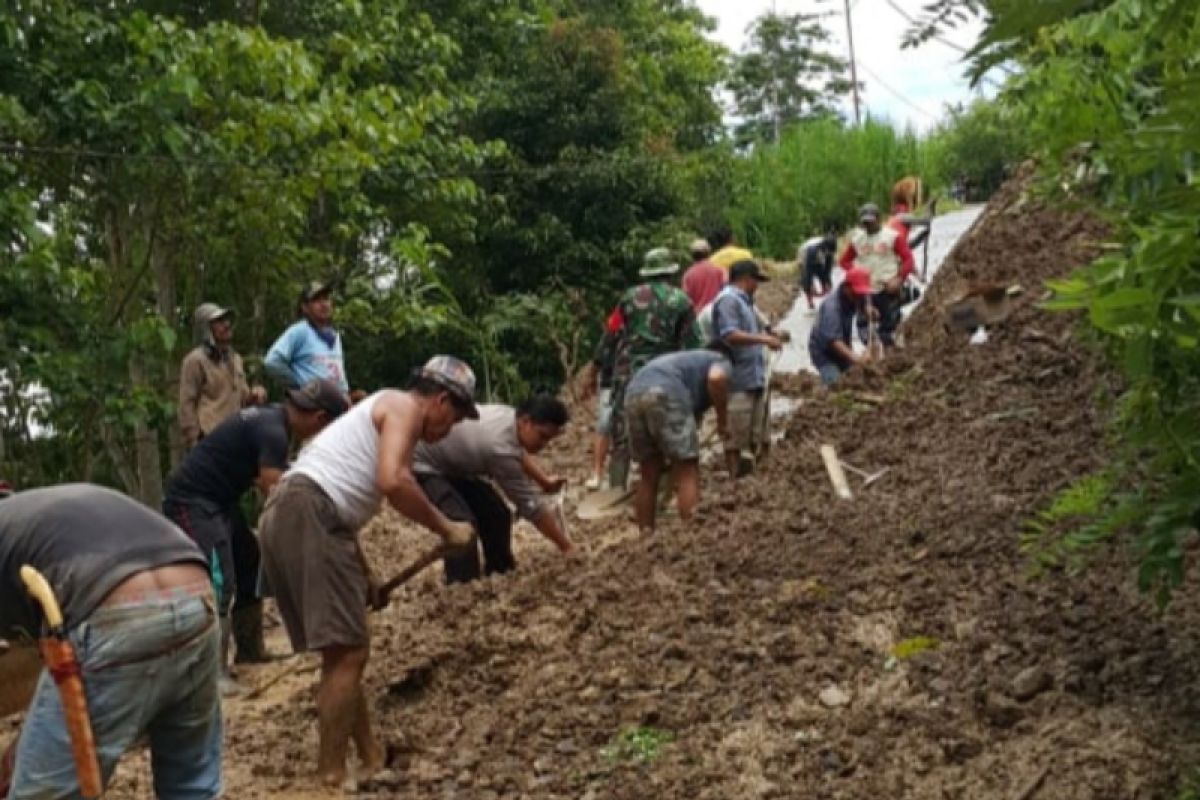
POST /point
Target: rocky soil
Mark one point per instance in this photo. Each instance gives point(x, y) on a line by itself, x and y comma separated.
point(789, 644)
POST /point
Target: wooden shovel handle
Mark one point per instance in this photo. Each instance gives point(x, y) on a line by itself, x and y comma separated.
point(39, 588)
point(427, 558)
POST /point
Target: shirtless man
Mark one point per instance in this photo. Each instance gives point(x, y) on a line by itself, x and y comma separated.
point(311, 552)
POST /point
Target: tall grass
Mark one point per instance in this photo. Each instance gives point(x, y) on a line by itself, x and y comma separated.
point(815, 179)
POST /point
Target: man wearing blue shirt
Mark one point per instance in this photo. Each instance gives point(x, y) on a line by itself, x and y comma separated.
point(736, 322)
point(311, 349)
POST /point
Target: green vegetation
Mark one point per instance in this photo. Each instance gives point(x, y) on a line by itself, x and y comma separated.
point(916, 645)
point(640, 744)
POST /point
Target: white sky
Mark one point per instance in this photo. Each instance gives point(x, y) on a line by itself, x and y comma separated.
point(927, 78)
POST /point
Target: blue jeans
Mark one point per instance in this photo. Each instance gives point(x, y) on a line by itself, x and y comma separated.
point(149, 669)
point(830, 374)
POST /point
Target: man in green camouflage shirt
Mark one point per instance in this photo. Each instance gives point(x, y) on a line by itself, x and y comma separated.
point(651, 319)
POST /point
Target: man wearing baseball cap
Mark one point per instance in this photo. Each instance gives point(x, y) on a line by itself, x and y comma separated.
point(884, 253)
point(311, 553)
point(311, 348)
point(829, 342)
point(250, 449)
point(703, 279)
point(212, 380)
point(737, 323)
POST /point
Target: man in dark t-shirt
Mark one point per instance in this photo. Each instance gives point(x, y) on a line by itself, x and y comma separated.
point(250, 448)
point(138, 610)
point(829, 342)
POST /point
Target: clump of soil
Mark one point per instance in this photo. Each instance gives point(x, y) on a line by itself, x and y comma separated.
point(788, 644)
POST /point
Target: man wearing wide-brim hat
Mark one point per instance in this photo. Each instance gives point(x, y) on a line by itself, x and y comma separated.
point(651, 319)
point(212, 379)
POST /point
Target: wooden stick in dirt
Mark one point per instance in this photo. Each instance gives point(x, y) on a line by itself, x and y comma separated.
point(837, 476)
point(434, 553)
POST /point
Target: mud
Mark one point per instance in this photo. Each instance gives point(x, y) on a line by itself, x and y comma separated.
point(789, 644)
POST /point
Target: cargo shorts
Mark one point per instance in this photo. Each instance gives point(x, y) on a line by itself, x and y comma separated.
point(661, 424)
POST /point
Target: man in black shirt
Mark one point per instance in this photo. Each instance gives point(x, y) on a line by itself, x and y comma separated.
point(138, 609)
point(248, 449)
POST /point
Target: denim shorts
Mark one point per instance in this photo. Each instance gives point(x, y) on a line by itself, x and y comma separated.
point(150, 670)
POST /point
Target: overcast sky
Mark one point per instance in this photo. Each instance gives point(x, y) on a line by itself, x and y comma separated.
point(921, 81)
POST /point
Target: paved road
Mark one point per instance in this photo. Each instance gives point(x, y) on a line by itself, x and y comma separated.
point(947, 229)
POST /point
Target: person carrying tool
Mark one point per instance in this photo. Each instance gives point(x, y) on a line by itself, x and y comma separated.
point(202, 497)
point(703, 280)
point(457, 473)
point(137, 607)
point(885, 255)
point(311, 348)
point(601, 374)
point(653, 318)
point(736, 322)
point(725, 252)
point(816, 263)
point(311, 554)
point(665, 403)
point(212, 380)
point(829, 342)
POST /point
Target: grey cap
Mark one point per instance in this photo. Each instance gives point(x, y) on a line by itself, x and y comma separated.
point(869, 211)
point(207, 313)
point(314, 288)
point(320, 395)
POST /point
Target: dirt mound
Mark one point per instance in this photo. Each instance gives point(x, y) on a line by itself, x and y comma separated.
point(791, 645)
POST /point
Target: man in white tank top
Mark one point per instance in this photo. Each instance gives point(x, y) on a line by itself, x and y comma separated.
point(310, 550)
point(886, 257)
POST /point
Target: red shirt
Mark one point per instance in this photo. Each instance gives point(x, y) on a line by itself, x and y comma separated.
point(702, 282)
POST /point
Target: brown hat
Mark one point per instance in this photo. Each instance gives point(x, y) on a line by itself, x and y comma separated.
point(456, 377)
point(320, 395)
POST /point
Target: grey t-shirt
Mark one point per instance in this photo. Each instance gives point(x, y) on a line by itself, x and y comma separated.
point(484, 448)
point(85, 540)
point(834, 323)
point(683, 375)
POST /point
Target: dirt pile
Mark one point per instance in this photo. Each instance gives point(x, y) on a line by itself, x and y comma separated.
point(791, 645)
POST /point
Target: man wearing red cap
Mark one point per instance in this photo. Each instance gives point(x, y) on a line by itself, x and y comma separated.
point(829, 343)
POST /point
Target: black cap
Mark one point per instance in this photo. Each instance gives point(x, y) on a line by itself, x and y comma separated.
point(320, 395)
point(747, 268)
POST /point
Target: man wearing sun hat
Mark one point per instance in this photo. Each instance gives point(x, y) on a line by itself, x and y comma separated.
point(212, 380)
point(829, 343)
point(652, 318)
point(884, 253)
point(311, 553)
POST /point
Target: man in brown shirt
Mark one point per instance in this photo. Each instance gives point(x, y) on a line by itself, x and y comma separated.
point(212, 381)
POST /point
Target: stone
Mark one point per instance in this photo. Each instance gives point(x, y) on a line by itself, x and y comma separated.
point(1029, 683)
point(832, 696)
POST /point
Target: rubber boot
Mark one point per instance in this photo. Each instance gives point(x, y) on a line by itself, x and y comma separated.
point(248, 635)
point(228, 686)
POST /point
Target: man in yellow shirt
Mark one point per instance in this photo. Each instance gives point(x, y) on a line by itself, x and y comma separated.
point(726, 253)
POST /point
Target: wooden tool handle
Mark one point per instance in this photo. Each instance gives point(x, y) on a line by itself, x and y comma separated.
point(430, 556)
point(39, 588)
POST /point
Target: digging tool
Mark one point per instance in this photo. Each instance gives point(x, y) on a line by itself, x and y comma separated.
point(604, 503)
point(60, 660)
point(435, 553)
point(836, 476)
point(867, 477)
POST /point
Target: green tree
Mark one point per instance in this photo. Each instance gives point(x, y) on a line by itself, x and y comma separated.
point(786, 75)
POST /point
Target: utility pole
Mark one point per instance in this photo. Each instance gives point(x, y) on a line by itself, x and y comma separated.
point(853, 65)
point(775, 82)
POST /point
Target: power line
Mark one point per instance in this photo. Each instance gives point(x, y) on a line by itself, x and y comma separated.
point(896, 92)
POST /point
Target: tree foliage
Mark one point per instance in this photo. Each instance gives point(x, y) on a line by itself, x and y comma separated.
point(786, 75)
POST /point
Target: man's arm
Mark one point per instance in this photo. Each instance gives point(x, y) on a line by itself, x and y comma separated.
point(511, 474)
point(904, 253)
point(718, 395)
point(844, 352)
point(735, 336)
point(547, 524)
point(191, 378)
point(848, 255)
point(398, 435)
point(548, 483)
point(278, 362)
